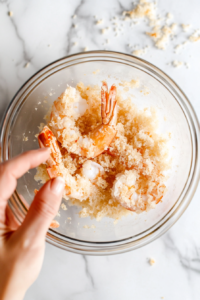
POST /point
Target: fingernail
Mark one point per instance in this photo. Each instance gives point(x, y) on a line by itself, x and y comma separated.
point(57, 185)
point(44, 149)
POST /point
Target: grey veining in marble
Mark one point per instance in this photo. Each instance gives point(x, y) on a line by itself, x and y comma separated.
point(40, 32)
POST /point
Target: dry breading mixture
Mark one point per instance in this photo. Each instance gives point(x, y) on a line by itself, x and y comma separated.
point(137, 150)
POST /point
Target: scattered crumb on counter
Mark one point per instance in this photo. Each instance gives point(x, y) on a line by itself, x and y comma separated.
point(195, 37)
point(104, 30)
point(69, 218)
point(187, 65)
point(142, 10)
point(126, 18)
point(177, 63)
point(162, 30)
point(63, 206)
point(161, 35)
point(180, 46)
point(186, 27)
point(151, 261)
point(169, 16)
point(139, 52)
point(26, 65)
point(85, 49)
point(93, 226)
point(99, 21)
point(10, 13)
point(58, 214)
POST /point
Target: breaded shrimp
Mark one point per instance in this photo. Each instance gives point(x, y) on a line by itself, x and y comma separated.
point(99, 139)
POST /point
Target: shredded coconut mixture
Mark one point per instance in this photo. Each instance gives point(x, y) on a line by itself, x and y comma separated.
point(128, 175)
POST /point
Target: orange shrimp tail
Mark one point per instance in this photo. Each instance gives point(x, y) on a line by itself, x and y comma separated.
point(104, 134)
point(108, 103)
point(46, 138)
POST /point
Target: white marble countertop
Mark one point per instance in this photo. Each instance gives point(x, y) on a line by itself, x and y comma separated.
point(40, 32)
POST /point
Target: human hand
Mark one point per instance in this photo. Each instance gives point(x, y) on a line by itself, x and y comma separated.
point(22, 246)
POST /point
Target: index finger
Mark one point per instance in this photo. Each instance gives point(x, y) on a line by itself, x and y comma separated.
point(13, 169)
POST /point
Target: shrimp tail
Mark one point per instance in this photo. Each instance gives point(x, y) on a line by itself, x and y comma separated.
point(104, 134)
point(108, 104)
point(46, 138)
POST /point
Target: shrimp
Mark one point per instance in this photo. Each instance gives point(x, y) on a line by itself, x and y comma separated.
point(103, 135)
point(98, 140)
point(124, 190)
point(76, 186)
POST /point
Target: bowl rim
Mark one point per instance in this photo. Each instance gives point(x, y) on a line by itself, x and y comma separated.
point(105, 248)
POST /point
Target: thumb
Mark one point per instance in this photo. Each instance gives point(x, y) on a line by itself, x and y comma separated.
point(43, 209)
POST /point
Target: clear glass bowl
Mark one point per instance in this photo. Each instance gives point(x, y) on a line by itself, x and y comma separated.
point(177, 116)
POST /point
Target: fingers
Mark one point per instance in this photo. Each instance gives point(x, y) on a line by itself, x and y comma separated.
point(42, 211)
point(16, 167)
point(104, 92)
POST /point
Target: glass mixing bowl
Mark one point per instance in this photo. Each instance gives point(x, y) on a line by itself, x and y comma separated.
point(176, 114)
